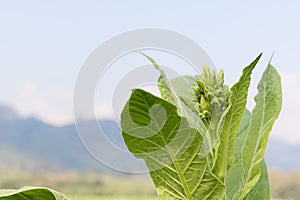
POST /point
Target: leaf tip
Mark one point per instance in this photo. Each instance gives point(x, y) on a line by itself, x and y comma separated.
point(269, 63)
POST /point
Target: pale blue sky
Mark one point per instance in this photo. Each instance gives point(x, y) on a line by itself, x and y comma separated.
point(43, 45)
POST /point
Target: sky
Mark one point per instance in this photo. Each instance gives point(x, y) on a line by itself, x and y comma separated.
point(43, 45)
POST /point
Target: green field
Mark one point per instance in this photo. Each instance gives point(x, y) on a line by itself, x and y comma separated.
point(83, 186)
point(97, 186)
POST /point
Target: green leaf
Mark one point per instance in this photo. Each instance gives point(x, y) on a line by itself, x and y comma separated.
point(241, 135)
point(235, 178)
point(248, 173)
point(172, 153)
point(30, 193)
point(164, 85)
point(268, 106)
point(261, 190)
point(235, 175)
point(183, 88)
point(238, 99)
point(179, 92)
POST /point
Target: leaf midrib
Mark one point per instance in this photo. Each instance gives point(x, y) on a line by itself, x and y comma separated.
point(260, 128)
point(178, 171)
point(224, 156)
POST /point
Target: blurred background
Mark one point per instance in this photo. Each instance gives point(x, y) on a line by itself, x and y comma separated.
point(43, 45)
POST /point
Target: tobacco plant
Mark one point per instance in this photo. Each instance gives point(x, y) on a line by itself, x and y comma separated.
point(198, 140)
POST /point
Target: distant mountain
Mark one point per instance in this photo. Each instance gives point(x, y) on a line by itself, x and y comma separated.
point(30, 143)
point(6, 113)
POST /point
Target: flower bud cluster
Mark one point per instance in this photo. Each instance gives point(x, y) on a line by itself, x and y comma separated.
point(212, 94)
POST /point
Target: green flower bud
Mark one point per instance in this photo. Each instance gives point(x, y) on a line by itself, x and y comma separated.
point(212, 94)
point(215, 100)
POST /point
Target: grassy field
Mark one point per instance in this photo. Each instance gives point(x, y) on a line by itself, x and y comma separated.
point(97, 186)
point(83, 186)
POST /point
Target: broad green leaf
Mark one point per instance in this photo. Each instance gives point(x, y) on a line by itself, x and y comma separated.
point(267, 108)
point(239, 92)
point(235, 175)
point(235, 179)
point(30, 193)
point(172, 154)
point(261, 190)
point(179, 92)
